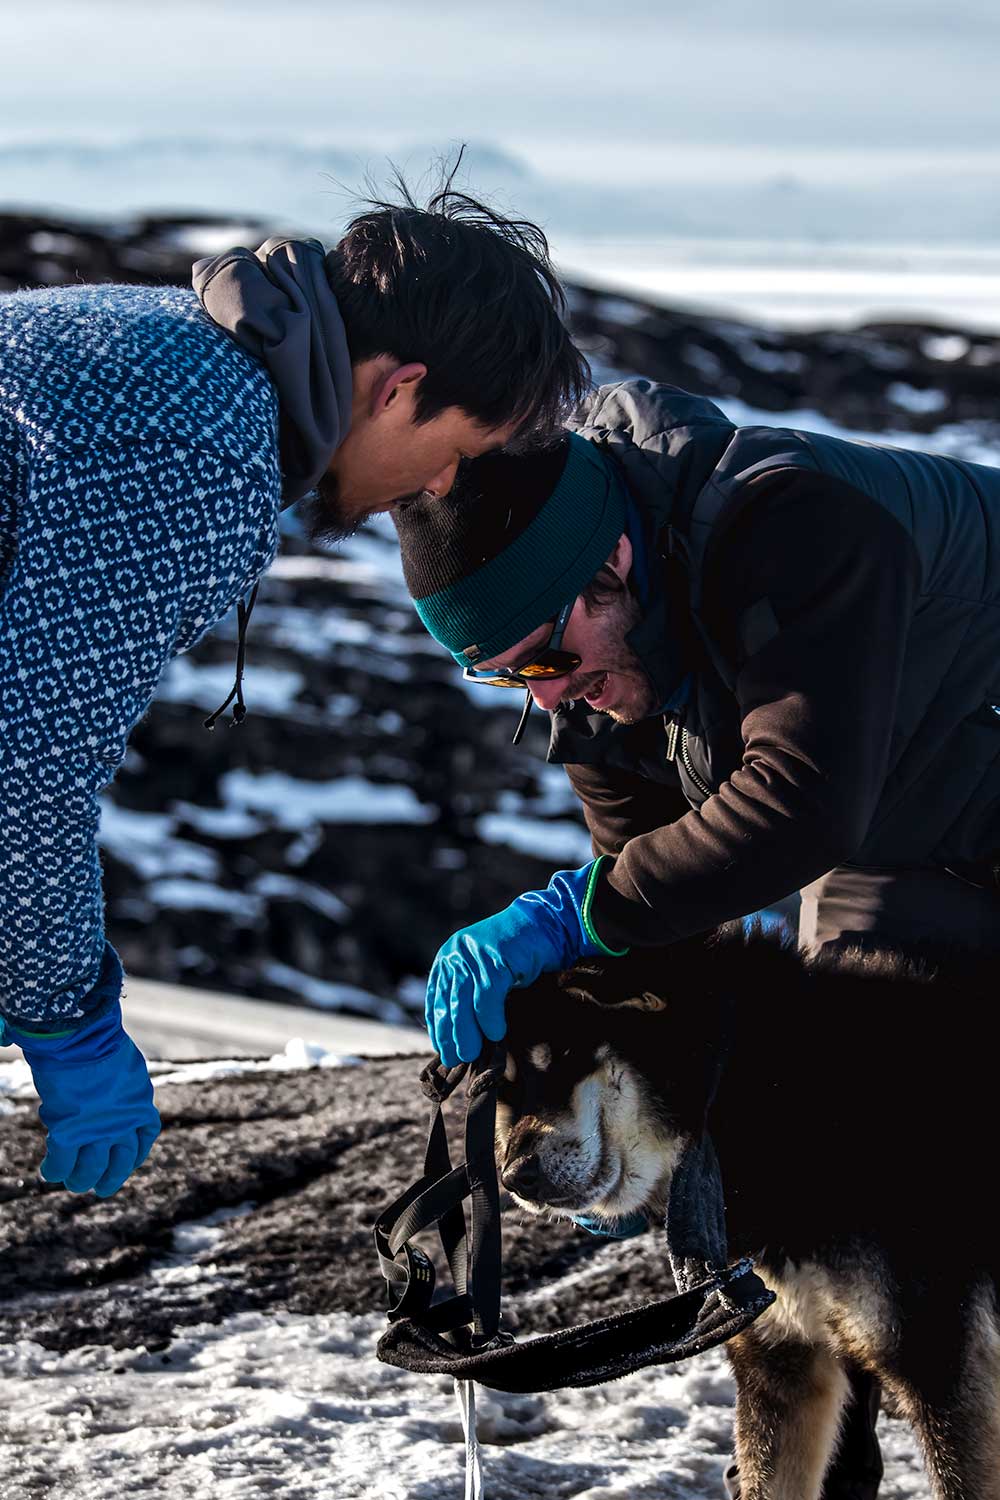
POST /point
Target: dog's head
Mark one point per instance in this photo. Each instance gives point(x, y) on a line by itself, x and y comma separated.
point(589, 1117)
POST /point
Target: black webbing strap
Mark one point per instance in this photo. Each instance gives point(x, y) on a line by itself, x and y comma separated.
point(437, 1198)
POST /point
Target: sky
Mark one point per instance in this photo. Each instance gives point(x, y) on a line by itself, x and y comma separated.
point(792, 123)
point(556, 83)
point(906, 75)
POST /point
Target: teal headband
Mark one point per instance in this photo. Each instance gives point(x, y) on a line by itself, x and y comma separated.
point(551, 561)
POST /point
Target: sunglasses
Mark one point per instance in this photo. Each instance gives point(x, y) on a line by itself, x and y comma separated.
point(546, 664)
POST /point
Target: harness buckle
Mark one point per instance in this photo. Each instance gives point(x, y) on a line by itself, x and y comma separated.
point(409, 1279)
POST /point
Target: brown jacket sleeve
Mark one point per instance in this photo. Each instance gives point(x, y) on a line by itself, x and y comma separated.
point(817, 706)
point(619, 805)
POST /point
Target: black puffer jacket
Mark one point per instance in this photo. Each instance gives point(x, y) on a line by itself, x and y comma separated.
point(839, 606)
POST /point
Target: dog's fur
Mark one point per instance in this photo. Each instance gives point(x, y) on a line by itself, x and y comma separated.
point(854, 1121)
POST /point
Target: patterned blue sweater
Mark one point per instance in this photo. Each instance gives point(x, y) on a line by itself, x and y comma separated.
point(139, 493)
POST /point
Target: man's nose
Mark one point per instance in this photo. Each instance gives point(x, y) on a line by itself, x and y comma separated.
point(548, 695)
point(442, 481)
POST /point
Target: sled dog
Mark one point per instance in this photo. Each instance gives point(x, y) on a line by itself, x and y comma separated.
point(852, 1105)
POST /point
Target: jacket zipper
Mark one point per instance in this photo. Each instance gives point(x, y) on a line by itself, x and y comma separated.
point(700, 783)
point(677, 736)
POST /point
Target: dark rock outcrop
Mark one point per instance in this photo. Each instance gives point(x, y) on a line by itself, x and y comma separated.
point(880, 377)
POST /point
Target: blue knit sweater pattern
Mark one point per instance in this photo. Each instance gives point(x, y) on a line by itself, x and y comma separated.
point(139, 494)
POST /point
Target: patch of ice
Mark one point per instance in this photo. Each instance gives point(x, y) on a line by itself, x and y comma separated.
point(197, 895)
point(771, 361)
point(309, 632)
point(327, 994)
point(217, 822)
point(274, 689)
point(143, 841)
point(957, 439)
point(621, 311)
point(411, 991)
point(945, 346)
point(447, 858)
point(291, 803)
point(562, 843)
point(554, 794)
point(286, 886)
point(708, 365)
point(196, 1236)
point(304, 847)
point(212, 239)
point(298, 1054)
point(310, 569)
point(16, 1083)
point(913, 398)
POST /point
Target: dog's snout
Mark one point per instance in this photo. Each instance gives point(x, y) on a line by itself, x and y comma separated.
point(523, 1176)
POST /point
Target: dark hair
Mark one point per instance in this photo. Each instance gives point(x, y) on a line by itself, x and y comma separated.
point(605, 588)
point(470, 294)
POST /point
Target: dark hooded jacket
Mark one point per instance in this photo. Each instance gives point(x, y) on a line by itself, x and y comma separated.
point(836, 606)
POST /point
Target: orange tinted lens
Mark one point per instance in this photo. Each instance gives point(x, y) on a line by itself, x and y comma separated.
point(540, 669)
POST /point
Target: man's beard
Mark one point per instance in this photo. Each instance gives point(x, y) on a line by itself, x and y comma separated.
point(621, 662)
point(325, 518)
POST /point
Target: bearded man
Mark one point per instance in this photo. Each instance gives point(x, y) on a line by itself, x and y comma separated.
point(772, 665)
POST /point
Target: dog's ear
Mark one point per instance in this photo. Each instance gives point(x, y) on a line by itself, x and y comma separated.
point(620, 982)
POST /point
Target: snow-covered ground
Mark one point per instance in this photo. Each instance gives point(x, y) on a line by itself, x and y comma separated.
point(282, 1403)
point(300, 1407)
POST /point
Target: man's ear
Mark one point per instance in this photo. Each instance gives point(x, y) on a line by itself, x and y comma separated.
point(618, 983)
point(620, 561)
point(392, 383)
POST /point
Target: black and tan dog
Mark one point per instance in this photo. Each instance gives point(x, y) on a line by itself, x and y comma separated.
point(855, 1119)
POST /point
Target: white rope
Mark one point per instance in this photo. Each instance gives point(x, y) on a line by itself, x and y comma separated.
point(465, 1392)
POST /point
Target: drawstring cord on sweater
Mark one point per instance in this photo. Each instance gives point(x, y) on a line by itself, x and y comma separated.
point(244, 609)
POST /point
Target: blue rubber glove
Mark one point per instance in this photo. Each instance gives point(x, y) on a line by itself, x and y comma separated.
point(540, 932)
point(614, 1229)
point(96, 1102)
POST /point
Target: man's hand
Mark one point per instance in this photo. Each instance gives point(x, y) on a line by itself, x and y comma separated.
point(540, 932)
point(96, 1102)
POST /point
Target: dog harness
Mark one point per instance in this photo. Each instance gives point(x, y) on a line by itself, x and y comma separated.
point(460, 1335)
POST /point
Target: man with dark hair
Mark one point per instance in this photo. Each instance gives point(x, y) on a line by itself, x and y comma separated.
point(771, 663)
point(148, 439)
